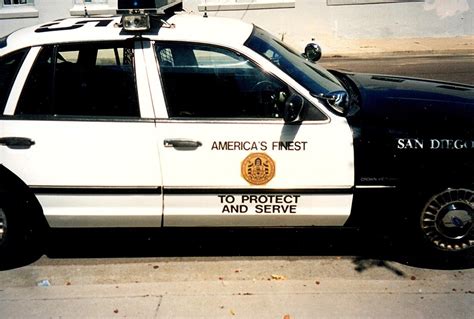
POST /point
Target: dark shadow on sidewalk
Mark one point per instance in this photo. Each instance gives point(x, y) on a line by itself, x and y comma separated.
point(366, 251)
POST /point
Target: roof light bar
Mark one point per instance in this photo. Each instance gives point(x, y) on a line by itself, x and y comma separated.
point(136, 22)
point(137, 14)
point(136, 4)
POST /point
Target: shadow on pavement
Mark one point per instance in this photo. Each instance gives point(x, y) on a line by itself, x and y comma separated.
point(20, 259)
point(366, 251)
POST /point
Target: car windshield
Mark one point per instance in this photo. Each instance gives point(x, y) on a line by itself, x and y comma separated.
point(311, 76)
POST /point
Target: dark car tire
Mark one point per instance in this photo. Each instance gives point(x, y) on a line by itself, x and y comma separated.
point(19, 236)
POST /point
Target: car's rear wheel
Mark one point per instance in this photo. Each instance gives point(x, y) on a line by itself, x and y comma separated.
point(16, 237)
point(447, 221)
point(3, 226)
point(12, 235)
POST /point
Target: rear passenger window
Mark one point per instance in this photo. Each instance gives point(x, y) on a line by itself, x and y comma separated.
point(87, 79)
point(9, 66)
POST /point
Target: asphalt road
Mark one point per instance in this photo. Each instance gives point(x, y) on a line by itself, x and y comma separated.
point(446, 68)
point(250, 273)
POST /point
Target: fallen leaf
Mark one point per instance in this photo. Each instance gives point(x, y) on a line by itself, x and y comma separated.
point(278, 277)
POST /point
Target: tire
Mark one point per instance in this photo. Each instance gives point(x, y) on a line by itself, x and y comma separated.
point(446, 222)
point(17, 246)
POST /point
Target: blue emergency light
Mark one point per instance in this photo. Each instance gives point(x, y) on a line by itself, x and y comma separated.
point(136, 4)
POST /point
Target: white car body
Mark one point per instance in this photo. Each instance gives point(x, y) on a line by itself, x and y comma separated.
point(97, 172)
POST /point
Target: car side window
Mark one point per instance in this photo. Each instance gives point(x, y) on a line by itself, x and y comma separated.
point(86, 79)
point(202, 81)
point(9, 66)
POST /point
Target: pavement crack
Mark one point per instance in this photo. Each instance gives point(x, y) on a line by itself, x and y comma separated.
point(83, 298)
point(158, 307)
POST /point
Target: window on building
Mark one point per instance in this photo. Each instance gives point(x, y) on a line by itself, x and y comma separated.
point(87, 79)
point(10, 9)
point(9, 2)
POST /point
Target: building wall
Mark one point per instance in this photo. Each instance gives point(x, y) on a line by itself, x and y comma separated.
point(315, 19)
point(16, 17)
point(308, 19)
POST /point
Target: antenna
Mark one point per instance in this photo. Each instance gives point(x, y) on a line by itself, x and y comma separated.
point(205, 9)
point(86, 14)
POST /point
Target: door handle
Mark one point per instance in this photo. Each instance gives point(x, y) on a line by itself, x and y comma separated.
point(182, 143)
point(17, 143)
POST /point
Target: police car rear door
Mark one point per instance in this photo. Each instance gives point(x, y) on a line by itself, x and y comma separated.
point(227, 156)
point(88, 148)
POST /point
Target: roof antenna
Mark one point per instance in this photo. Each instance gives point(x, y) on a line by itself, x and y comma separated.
point(86, 14)
point(205, 9)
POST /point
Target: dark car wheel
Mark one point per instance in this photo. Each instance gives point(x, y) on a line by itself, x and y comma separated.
point(3, 227)
point(12, 235)
point(17, 246)
point(447, 221)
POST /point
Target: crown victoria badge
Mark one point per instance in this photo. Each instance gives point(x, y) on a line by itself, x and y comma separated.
point(258, 168)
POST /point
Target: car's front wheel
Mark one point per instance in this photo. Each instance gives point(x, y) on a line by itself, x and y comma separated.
point(447, 221)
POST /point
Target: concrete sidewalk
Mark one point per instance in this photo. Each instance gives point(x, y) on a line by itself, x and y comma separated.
point(371, 48)
point(216, 287)
point(276, 299)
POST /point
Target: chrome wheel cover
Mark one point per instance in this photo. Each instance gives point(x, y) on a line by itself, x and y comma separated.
point(447, 220)
point(3, 226)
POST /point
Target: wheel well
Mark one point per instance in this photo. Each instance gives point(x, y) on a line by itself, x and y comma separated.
point(374, 207)
point(16, 193)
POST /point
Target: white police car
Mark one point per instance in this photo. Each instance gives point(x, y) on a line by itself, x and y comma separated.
point(208, 122)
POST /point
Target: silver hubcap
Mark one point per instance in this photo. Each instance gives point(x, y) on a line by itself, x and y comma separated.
point(3, 225)
point(447, 220)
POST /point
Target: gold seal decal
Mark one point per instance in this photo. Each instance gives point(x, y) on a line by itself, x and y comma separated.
point(258, 168)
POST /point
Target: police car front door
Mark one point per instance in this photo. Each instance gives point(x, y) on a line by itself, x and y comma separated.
point(228, 158)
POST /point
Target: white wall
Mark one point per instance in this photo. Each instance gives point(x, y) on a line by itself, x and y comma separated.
point(314, 19)
point(47, 10)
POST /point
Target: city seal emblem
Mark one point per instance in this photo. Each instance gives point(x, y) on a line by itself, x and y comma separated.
point(258, 168)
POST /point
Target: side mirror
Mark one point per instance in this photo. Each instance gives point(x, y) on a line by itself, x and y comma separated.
point(312, 52)
point(293, 109)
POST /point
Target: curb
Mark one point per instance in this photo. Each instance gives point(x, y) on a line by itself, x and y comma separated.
point(396, 54)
